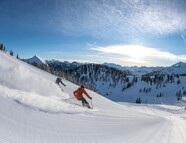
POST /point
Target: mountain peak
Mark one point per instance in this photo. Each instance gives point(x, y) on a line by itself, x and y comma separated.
point(179, 64)
point(36, 59)
point(178, 68)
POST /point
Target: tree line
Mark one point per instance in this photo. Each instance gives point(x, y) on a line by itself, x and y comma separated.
point(2, 48)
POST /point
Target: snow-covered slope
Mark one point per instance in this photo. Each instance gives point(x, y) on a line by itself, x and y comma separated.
point(150, 94)
point(178, 68)
point(33, 109)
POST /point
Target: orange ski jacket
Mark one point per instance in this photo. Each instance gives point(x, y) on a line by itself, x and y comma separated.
point(79, 93)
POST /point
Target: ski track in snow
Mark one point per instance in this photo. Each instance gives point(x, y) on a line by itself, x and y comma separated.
point(173, 131)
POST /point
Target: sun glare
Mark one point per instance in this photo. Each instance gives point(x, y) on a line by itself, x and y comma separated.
point(132, 51)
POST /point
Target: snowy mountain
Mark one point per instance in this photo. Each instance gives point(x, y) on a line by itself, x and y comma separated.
point(160, 86)
point(33, 109)
point(134, 70)
point(36, 59)
point(115, 82)
point(139, 71)
point(116, 66)
point(56, 64)
point(98, 77)
point(178, 68)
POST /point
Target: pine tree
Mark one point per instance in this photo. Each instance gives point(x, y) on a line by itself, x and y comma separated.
point(34, 64)
point(1, 47)
point(178, 82)
point(17, 56)
point(11, 53)
point(4, 49)
point(138, 100)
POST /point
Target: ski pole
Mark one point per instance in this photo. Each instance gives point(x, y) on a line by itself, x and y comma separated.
point(69, 98)
point(91, 103)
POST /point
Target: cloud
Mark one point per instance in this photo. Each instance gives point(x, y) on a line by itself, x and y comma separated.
point(183, 35)
point(140, 55)
point(119, 18)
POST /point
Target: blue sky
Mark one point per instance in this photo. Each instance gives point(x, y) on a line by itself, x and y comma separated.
point(125, 32)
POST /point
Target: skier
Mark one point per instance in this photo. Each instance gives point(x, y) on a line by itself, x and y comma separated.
point(58, 81)
point(79, 95)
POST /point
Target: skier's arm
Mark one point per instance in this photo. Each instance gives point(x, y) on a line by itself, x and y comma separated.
point(75, 92)
point(62, 82)
point(87, 94)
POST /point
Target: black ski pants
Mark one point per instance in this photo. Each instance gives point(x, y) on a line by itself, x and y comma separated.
point(85, 103)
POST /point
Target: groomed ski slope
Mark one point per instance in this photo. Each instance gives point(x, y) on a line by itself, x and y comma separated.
point(33, 109)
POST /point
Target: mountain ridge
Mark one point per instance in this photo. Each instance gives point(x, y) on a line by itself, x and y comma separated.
point(119, 85)
point(38, 60)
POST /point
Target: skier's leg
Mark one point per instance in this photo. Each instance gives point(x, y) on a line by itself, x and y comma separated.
point(85, 103)
point(62, 83)
point(60, 87)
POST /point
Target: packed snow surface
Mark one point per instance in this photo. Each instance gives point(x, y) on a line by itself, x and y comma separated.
point(33, 109)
